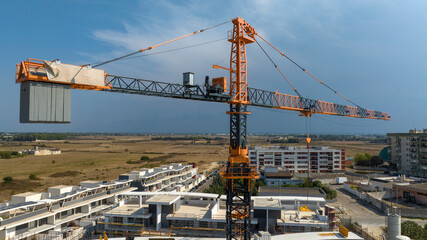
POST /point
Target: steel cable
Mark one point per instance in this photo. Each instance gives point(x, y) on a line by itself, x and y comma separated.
point(154, 46)
point(304, 70)
point(271, 60)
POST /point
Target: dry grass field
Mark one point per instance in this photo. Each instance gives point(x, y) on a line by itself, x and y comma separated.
point(101, 158)
point(104, 158)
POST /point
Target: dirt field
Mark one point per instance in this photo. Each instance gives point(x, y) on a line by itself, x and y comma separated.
point(350, 147)
point(353, 147)
point(100, 159)
point(104, 158)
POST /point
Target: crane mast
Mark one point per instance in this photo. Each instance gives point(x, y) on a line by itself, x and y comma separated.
point(238, 174)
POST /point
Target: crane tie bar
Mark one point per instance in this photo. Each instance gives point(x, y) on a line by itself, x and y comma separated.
point(304, 70)
point(154, 46)
point(271, 60)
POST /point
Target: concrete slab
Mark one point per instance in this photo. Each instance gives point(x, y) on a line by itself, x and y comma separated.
point(163, 199)
point(267, 203)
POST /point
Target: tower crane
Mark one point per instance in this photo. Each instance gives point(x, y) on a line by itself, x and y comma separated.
point(238, 173)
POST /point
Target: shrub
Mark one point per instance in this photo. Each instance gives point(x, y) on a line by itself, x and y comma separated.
point(413, 230)
point(6, 154)
point(8, 179)
point(144, 158)
point(53, 161)
point(32, 176)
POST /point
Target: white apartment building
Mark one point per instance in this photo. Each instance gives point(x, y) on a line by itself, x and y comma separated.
point(173, 177)
point(52, 213)
point(295, 159)
point(408, 152)
point(204, 214)
point(71, 211)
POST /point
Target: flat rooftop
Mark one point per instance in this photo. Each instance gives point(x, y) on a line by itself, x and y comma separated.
point(163, 199)
point(316, 236)
point(289, 191)
point(280, 174)
point(26, 194)
point(164, 168)
point(267, 203)
point(129, 209)
point(420, 187)
point(176, 238)
point(289, 216)
point(60, 187)
point(191, 211)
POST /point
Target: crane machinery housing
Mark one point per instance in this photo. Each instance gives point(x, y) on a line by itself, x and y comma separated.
point(45, 98)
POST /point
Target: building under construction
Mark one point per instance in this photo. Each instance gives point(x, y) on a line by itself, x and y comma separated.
point(73, 211)
point(204, 214)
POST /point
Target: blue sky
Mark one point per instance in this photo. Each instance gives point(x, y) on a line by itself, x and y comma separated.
point(373, 52)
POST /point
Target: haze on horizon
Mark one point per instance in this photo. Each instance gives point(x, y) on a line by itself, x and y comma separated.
point(373, 52)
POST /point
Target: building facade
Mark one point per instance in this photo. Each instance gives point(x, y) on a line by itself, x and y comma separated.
point(414, 193)
point(408, 152)
point(203, 214)
point(52, 214)
point(71, 211)
point(295, 159)
point(174, 177)
point(277, 176)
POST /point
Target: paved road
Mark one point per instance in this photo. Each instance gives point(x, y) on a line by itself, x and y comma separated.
point(208, 181)
point(363, 213)
point(205, 185)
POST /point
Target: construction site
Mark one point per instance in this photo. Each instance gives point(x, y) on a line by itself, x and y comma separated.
point(46, 98)
point(165, 202)
point(131, 207)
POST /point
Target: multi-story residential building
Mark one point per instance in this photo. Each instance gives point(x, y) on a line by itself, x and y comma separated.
point(173, 177)
point(408, 152)
point(203, 214)
point(295, 159)
point(52, 213)
point(277, 176)
point(49, 215)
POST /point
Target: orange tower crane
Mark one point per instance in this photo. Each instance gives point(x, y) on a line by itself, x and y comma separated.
point(238, 173)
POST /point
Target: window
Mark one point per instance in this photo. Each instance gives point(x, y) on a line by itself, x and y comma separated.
point(21, 227)
point(42, 221)
point(117, 219)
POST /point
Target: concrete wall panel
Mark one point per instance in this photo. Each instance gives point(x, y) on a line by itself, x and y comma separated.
point(45, 103)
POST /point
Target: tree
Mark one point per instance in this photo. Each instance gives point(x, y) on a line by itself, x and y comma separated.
point(217, 186)
point(258, 183)
point(317, 184)
point(362, 159)
point(144, 158)
point(413, 230)
point(376, 161)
